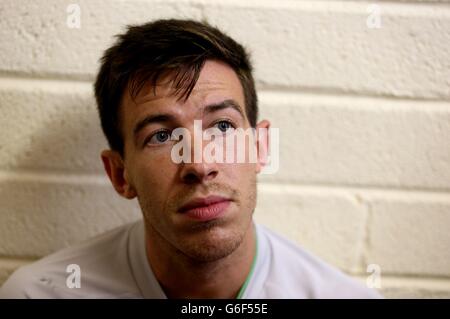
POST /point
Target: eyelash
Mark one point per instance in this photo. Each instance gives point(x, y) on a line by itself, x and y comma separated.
point(225, 120)
point(147, 139)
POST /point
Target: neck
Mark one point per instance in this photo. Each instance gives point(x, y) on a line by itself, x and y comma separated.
point(183, 277)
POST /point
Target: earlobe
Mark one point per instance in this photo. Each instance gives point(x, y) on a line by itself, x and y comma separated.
point(115, 168)
point(129, 191)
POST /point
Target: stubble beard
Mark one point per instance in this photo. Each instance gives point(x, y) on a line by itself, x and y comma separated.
point(209, 241)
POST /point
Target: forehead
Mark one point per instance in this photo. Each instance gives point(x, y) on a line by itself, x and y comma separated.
point(217, 81)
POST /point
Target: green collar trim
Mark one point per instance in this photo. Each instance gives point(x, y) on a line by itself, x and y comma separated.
point(250, 274)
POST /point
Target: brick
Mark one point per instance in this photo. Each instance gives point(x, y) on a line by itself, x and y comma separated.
point(337, 140)
point(319, 46)
point(327, 46)
point(380, 142)
point(36, 39)
point(47, 125)
point(409, 234)
point(329, 224)
point(41, 215)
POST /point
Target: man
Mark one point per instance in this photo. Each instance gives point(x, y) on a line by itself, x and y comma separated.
point(197, 238)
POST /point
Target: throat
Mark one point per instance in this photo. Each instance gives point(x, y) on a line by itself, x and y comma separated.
point(182, 277)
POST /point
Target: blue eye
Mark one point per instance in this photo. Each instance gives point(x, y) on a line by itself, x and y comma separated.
point(224, 125)
point(159, 137)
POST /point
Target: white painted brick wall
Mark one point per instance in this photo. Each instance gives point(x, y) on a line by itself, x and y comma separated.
point(360, 141)
point(364, 116)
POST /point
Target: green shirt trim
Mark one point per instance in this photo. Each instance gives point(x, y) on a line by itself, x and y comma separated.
point(250, 274)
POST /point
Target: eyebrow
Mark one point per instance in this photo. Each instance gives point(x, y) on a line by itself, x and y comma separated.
point(224, 105)
point(150, 119)
point(208, 109)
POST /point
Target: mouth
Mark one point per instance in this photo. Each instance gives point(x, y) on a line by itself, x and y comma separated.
point(206, 208)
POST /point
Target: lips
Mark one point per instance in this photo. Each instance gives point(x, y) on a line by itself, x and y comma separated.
point(207, 208)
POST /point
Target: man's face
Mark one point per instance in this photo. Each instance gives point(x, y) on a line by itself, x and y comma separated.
point(164, 188)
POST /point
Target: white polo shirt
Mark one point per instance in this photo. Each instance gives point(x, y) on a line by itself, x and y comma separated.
point(114, 265)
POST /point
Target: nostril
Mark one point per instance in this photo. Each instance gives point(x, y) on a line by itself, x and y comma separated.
point(212, 174)
point(197, 176)
point(191, 178)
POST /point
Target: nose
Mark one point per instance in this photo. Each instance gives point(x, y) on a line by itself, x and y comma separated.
point(192, 173)
point(198, 168)
point(195, 171)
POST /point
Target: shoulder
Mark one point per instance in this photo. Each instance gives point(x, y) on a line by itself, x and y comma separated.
point(296, 273)
point(101, 264)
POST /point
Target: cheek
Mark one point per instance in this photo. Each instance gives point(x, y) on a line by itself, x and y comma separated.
point(153, 172)
point(246, 185)
point(241, 176)
point(241, 171)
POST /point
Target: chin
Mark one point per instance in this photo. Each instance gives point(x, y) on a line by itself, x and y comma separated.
point(212, 244)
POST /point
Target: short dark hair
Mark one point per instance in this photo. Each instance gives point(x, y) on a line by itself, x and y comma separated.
point(146, 52)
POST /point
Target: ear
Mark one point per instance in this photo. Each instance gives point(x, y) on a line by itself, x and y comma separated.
point(262, 144)
point(115, 168)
